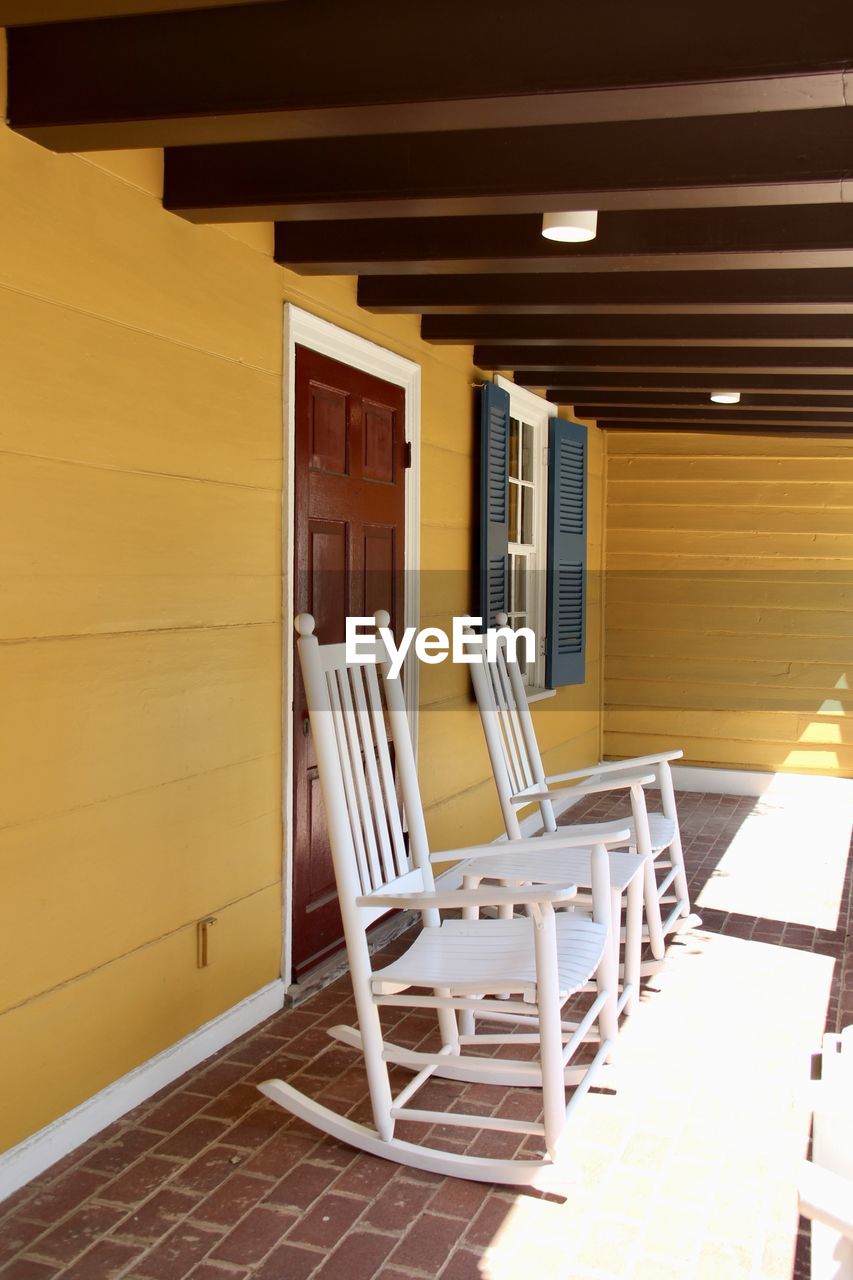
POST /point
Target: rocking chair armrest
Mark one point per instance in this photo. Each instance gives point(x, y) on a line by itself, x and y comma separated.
point(614, 766)
point(487, 896)
point(613, 783)
point(603, 833)
point(609, 833)
point(826, 1197)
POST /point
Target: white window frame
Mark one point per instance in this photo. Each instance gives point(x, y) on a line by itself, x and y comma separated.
point(536, 412)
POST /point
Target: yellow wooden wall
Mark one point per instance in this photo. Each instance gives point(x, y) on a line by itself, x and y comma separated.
point(140, 641)
point(140, 479)
point(729, 599)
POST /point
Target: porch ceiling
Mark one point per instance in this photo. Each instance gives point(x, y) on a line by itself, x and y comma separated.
point(420, 151)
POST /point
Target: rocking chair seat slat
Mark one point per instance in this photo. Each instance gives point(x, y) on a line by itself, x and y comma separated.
point(661, 832)
point(590, 786)
point(554, 866)
point(496, 956)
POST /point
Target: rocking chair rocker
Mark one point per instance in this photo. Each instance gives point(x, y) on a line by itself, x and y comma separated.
point(518, 972)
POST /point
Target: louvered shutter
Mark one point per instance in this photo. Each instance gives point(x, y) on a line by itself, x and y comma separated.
point(565, 647)
point(494, 528)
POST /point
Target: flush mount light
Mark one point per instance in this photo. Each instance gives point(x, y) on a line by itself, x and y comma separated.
point(571, 228)
point(725, 397)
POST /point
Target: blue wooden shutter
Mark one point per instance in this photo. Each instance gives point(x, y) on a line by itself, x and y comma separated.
point(565, 648)
point(494, 528)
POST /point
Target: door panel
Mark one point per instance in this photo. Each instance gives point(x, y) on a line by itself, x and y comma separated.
point(379, 444)
point(348, 540)
point(328, 586)
point(321, 874)
point(329, 428)
point(381, 573)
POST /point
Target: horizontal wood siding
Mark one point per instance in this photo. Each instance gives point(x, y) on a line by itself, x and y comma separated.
point(141, 482)
point(729, 599)
point(140, 668)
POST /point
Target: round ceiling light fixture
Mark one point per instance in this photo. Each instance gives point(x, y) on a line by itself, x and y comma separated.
point(725, 397)
point(570, 228)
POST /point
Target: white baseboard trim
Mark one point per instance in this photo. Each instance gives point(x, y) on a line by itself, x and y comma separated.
point(745, 782)
point(722, 782)
point(35, 1154)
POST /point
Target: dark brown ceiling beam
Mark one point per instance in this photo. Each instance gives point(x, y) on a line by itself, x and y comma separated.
point(778, 417)
point(793, 429)
point(21, 13)
point(638, 240)
point(538, 331)
point(648, 290)
point(162, 79)
point(635, 403)
point(581, 385)
point(793, 157)
point(807, 360)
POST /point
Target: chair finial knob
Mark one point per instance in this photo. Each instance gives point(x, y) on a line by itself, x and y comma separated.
point(382, 618)
point(501, 618)
point(304, 624)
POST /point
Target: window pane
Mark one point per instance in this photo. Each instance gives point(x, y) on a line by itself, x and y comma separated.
point(514, 433)
point(527, 453)
point(513, 512)
point(521, 648)
point(526, 516)
point(519, 584)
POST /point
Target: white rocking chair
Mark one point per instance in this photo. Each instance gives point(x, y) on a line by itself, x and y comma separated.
point(826, 1181)
point(521, 781)
point(518, 972)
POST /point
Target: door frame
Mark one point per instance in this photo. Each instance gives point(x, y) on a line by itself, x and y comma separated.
point(302, 328)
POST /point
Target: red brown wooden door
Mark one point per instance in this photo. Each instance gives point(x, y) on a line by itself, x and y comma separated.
point(350, 458)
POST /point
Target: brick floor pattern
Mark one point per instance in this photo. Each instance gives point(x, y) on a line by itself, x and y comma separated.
point(210, 1181)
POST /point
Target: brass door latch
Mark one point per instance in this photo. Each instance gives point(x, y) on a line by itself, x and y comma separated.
point(203, 941)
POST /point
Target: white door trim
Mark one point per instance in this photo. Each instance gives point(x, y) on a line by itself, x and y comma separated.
point(303, 329)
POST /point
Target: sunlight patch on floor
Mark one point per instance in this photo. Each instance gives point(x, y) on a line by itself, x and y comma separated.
point(689, 1170)
point(787, 862)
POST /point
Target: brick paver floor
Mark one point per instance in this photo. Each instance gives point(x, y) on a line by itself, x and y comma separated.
point(685, 1172)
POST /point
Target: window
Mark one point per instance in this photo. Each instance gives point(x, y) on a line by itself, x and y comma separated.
point(527, 508)
point(533, 528)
